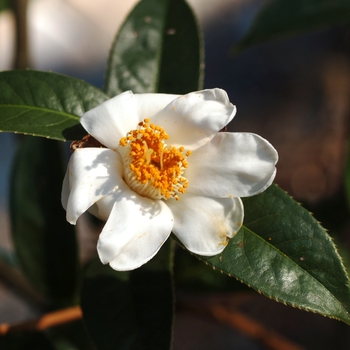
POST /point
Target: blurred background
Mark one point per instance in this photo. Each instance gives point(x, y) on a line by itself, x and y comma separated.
point(294, 91)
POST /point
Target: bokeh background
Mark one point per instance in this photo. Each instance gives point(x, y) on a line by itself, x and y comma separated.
point(294, 91)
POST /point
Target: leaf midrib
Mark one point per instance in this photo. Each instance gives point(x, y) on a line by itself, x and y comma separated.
point(67, 115)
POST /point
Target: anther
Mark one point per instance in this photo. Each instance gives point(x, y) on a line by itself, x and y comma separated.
point(152, 168)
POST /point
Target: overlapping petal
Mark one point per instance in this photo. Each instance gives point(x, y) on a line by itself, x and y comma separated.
point(205, 224)
point(148, 105)
point(136, 229)
point(111, 120)
point(103, 207)
point(232, 165)
point(192, 120)
point(92, 174)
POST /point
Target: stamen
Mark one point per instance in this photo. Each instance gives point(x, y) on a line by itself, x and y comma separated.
point(148, 153)
point(152, 168)
point(161, 159)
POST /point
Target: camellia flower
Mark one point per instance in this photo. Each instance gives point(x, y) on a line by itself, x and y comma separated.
point(161, 165)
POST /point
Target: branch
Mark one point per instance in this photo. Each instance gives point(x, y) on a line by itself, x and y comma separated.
point(48, 320)
point(22, 52)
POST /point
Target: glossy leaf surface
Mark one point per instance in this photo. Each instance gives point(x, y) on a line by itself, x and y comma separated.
point(158, 49)
point(284, 253)
point(279, 18)
point(45, 104)
point(45, 243)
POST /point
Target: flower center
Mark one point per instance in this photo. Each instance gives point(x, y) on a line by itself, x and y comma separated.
point(152, 168)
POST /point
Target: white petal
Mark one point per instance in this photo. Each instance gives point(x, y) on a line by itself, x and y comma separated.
point(204, 224)
point(135, 231)
point(232, 165)
point(65, 190)
point(92, 174)
point(103, 207)
point(192, 120)
point(111, 120)
point(148, 105)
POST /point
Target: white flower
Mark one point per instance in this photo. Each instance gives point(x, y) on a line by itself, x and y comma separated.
point(166, 167)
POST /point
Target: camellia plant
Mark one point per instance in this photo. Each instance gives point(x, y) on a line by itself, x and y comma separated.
point(151, 158)
point(145, 188)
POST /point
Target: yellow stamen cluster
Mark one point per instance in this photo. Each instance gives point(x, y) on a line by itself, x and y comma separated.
point(154, 169)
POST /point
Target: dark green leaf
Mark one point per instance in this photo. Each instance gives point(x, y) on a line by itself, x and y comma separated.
point(130, 310)
point(192, 276)
point(45, 104)
point(45, 244)
point(71, 336)
point(158, 49)
point(280, 18)
point(284, 253)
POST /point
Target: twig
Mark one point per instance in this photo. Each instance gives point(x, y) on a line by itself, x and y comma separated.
point(15, 280)
point(48, 320)
point(229, 315)
point(22, 52)
point(252, 328)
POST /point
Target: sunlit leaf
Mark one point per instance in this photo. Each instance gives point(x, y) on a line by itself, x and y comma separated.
point(279, 18)
point(158, 49)
point(45, 244)
point(284, 253)
point(130, 310)
point(45, 104)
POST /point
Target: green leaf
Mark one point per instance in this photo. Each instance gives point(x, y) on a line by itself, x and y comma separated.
point(192, 276)
point(158, 49)
point(281, 18)
point(284, 253)
point(70, 336)
point(130, 310)
point(45, 244)
point(45, 104)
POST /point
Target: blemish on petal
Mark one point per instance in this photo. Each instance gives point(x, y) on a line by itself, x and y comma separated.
point(142, 234)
